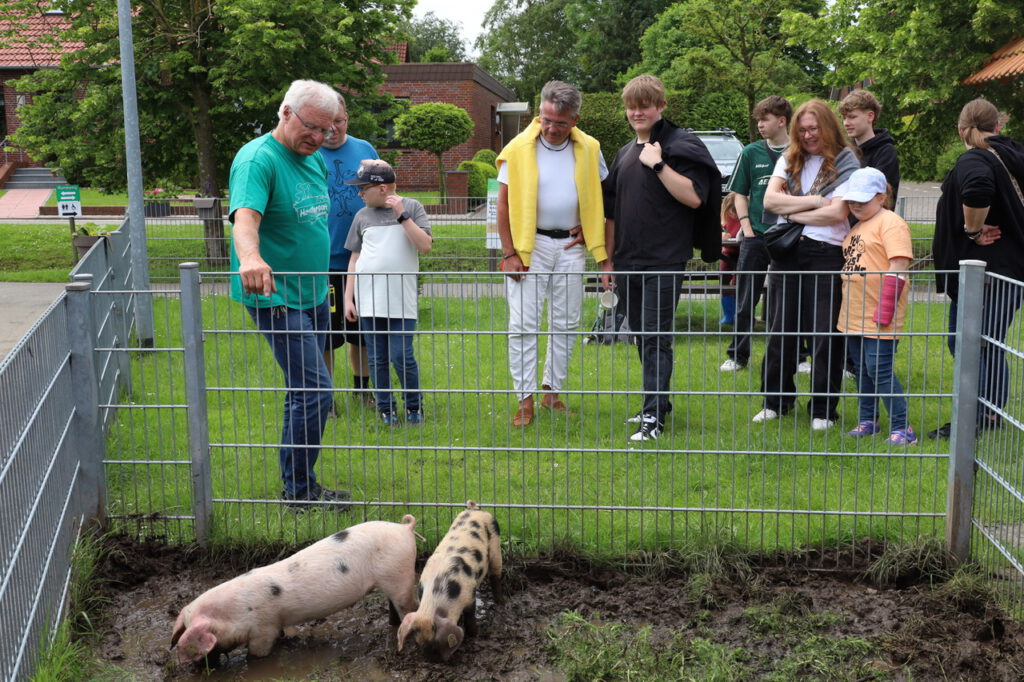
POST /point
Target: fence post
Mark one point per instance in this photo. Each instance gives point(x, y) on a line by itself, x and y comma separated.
point(195, 396)
point(960, 488)
point(86, 426)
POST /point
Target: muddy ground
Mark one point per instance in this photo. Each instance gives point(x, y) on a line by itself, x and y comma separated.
point(916, 633)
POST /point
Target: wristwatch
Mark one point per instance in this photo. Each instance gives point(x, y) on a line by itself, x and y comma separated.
point(658, 166)
point(402, 218)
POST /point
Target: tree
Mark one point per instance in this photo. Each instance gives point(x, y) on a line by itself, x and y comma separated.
point(527, 43)
point(433, 39)
point(434, 127)
point(702, 47)
point(916, 53)
point(210, 76)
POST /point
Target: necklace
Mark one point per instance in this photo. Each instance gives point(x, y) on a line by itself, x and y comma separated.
point(554, 149)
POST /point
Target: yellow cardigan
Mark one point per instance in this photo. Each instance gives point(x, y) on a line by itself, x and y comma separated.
point(521, 156)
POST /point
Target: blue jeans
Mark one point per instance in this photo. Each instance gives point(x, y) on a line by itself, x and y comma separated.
point(297, 338)
point(872, 363)
point(999, 306)
point(389, 338)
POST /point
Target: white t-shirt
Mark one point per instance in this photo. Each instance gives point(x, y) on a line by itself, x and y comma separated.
point(830, 234)
point(557, 200)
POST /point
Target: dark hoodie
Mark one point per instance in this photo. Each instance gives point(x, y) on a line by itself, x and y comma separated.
point(652, 229)
point(978, 180)
point(880, 152)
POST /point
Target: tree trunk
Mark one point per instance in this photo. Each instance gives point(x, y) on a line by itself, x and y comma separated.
point(442, 186)
point(752, 133)
point(213, 229)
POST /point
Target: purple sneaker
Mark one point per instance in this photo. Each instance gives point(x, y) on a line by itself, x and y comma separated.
point(903, 437)
point(864, 429)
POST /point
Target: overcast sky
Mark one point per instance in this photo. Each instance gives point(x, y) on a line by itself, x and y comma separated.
point(469, 14)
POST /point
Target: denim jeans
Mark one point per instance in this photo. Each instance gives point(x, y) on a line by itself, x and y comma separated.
point(298, 338)
point(390, 338)
point(649, 303)
point(754, 259)
point(872, 363)
point(999, 306)
point(805, 304)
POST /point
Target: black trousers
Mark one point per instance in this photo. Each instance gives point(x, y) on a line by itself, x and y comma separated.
point(650, 307)
point(805, 304)
point(754, 258)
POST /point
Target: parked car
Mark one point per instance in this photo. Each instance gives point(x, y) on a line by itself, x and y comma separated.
point(725, 149)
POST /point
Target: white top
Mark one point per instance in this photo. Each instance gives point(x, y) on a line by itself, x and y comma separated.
point(830, 234)
point(557, 200)
point(386, 249)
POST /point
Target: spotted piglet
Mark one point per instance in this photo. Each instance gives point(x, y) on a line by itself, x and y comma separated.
point(327, 576)
point(470, 551)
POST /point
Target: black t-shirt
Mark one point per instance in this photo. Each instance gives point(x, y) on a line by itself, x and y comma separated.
point(651, 227)
point(978, 180)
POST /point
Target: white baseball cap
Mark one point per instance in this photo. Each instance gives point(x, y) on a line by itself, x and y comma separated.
point(864, 184)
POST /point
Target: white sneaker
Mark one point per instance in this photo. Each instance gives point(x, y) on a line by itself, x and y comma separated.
point(649, 429)
point(731, 365)
point(822, 424)
point(847, 374)
point(636, 418)
point(803, 368)
point(765, 415)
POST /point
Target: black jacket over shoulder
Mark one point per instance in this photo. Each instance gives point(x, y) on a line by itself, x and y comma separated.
point(651, 228)
point(978, 180)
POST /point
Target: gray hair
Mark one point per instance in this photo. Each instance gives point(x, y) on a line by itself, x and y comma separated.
point(303, 93)
point(565, 97)
point(341, 101)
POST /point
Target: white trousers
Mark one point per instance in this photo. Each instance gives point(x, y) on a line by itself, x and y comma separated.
point(547, 279)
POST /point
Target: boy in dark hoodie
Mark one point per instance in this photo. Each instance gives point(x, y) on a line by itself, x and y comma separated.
point(662, 198)
point(860, 111)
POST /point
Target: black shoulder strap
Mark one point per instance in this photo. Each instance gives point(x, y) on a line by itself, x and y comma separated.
point(774, 155)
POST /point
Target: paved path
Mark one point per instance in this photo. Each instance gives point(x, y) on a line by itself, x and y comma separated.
point(23, 203)
point(22, 304)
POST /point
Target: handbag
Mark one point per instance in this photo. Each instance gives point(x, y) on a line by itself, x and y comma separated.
point(781, 239)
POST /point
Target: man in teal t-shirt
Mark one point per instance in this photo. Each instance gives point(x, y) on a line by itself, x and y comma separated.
point(749, 182)
point(280, 248)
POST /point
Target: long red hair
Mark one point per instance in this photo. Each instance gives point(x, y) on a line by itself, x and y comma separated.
point(829, 132)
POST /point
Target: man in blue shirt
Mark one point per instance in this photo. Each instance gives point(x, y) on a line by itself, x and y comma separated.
point(342, 154)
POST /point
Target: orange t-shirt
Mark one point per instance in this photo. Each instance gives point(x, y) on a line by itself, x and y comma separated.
point(868, 247)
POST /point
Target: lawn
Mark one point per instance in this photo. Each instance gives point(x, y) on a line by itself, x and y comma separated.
point(565, 479)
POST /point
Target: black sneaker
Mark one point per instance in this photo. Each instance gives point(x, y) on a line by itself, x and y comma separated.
point(941, 432)
point(636, 418)
point(319, 498)
point(650, 429)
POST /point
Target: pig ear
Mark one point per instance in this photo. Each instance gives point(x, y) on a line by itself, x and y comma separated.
point(449, 637)
point(179, 628)
point(405, 627)
point(197, 642)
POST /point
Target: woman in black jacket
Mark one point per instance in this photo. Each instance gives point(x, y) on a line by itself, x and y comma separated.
point(981, 216)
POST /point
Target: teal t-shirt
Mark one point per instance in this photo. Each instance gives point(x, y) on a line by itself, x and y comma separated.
point(753, 171)
point(290, 191)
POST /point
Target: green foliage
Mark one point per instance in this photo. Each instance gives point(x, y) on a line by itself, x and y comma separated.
point(917, 55)
point(479, 173)
point(434, 127)
point(720, 48)
point(488, 156)
point(945, 161)
point(434, 39)
point(209, 76)
point(920, 560)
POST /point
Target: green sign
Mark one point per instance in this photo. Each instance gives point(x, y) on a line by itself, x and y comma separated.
point(69, 201)
point(68, 193)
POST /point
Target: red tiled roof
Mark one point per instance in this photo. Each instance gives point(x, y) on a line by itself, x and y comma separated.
point(28, 42)
point(401, 50)
point(1005, 63)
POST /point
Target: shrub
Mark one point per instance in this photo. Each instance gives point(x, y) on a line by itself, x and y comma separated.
point(488, 156)
point(479, 173)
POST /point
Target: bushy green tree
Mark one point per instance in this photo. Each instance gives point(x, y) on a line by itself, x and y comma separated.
point(916, 53)
point(434, 39)
point(479, 174)
point(209, 76)
point(434, 127)
point(488, 156)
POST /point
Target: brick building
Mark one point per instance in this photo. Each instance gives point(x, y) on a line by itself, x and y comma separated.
point(489, 103)
point(29, 48)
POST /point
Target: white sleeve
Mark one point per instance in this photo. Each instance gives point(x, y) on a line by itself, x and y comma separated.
point(503, 173)
point(780, 168)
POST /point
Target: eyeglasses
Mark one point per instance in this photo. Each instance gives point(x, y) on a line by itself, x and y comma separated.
point(810, 130)
point(323, 132)
point(363, 189)
point(561, 125)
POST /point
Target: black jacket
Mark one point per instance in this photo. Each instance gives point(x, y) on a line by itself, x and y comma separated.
point(651, 228)
point(880, 152)
point(978, 180)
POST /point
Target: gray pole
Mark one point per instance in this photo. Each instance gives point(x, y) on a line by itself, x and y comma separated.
point(133, 160)
point(195, 396)
point(960, 488)
point(88, 432)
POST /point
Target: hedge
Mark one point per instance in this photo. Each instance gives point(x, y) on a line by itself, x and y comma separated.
point(479, 173)
point(488, 156)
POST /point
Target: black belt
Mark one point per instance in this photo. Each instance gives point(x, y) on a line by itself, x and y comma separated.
point(555, 234)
